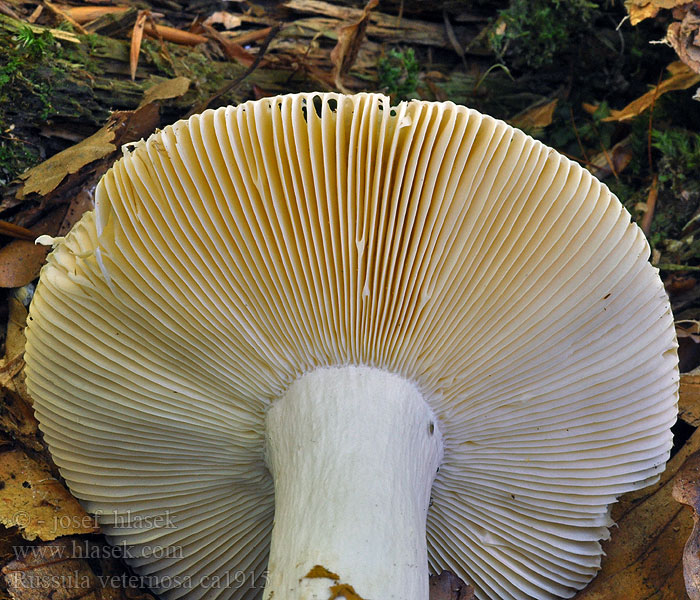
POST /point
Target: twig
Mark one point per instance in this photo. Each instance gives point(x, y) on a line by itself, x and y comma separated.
point(35, 14)
point(238, 80)
point(651, 205)
point(66, 17)
point(582, 161)
point(15, 231)
point(651, 121)
point(7, 10)
point(673, 267)
point(578, 138)
point(608, 158)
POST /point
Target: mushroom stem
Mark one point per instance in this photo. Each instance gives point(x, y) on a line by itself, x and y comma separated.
point(353, 452)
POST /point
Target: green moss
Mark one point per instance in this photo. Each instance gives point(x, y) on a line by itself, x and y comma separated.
point(533, 33)
point(398, 74)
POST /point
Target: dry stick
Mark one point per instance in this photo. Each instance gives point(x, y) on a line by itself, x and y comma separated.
point(583, 161)
point(651, 205)
point(7, 10)
point(15, 231)
point(608, 158)
point(65, 16)
point(35, 14)
point(251, 36)
point(238, 80)
point(648, 217)
point(578, 138)
point(651, 121)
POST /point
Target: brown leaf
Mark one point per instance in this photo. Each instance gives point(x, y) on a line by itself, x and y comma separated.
point(20, 263)
point(643, 559)
point(447, 586)
point(645, 9)
point(122, 127)
point(43, 178)
point(36, 502)
point(136, 37)
point(682, 77)
point(177, 36)
point(21, 260)
point(17, 416)
point(233, 51)
point(686, 490)
point(685, 38)
point(165, 90)
point(612, 161)
point(350, 39)
point(16, 322)
point(222, 17)
point(538, 117)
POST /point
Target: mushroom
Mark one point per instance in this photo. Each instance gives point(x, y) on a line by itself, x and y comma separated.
point(319, 344)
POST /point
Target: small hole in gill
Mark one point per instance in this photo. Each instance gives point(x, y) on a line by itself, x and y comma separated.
point(318, 105)
point(332, 104)
point(392, 112)
point(431, 428)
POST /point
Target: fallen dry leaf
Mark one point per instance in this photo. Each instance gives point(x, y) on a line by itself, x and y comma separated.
point(20, 263)
point(643, 559)
point(233, 51)
point(81, 202)
point(165, 90)
point(350, 39)
point(612, 161)
point(645, 9)
point(44, 178)
point(136, 37)
point(682, 77)
point(447, 586)
point(36, 502)
point(684, 36)
point(16, 322)
point(686, 490)
point(222, 17)
point(21, 260)
point(122, 127)
point(538, 117)
point(17, 419)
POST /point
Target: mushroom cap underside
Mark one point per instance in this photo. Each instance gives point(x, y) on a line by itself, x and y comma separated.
point(233, 252)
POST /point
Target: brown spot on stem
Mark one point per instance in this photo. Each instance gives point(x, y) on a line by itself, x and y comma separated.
point(344, 590)
point(319, 572)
